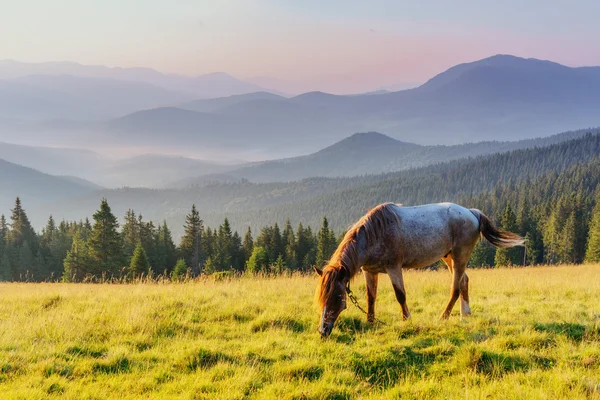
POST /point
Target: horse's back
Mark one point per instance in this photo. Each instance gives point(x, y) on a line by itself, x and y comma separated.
point(430, 231)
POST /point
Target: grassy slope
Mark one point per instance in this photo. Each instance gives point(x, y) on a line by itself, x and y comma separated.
point(535, 333)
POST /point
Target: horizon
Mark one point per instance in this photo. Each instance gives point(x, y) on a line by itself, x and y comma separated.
point(296, 48)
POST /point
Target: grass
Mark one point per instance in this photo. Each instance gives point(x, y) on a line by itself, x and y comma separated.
point(534, 333)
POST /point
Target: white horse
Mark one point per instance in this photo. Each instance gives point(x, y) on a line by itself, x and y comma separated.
point(391, 237)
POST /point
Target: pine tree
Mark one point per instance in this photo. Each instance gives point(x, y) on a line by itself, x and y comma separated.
point(593, 246)
point(289, 244)
point(510, 256)
point(180, 270)
point(166, 253)
point(258, 261)
point(326, 243)
point(224, 247)
point(131, 234)
point(26, 265)
point(238, 260)
point(5, 268)
point(483, 255)
point(209, 267)
point(4, 274)
point(139, 264)
point(77, 263)
point(190, 241)
point(248, 245)
point(105, 243)
point(21, 229)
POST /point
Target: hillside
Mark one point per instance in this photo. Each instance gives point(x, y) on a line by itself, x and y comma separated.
point(341, 199)
point(36, 188)
point(375, 153)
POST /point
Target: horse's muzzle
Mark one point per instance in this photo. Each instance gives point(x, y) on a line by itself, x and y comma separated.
point(325, 330)
point(324, 327)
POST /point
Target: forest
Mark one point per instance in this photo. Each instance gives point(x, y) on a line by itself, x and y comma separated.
point(549, 195)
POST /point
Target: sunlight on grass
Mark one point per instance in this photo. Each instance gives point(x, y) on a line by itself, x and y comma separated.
point(534, 333)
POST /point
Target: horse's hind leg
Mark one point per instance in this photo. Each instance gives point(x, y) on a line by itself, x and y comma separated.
point(398, 284)
point(371, 280)
point(463, 287)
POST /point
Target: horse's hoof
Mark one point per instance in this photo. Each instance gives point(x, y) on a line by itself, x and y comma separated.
point(444, 316)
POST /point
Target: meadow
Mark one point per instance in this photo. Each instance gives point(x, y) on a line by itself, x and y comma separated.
point(534, 333)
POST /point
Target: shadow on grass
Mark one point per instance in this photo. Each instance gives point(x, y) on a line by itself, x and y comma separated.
point(386, 369)
point(289, 324)
point(204, 359)
point(571, 331)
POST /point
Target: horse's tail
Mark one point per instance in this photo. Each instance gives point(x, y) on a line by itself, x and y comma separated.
point(494, 235)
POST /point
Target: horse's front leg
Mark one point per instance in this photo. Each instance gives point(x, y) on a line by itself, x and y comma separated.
point(395, 274)
point(371, 279)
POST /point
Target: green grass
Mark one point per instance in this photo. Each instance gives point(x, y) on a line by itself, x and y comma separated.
point(534, 333)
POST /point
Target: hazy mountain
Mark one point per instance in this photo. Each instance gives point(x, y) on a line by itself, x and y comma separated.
point(55, 161)
point(211, 105)
point(35, 187)
point(374, 153)
point(155, 171)
point(342, 199)
point(91, 98)
point(498, 98)
point(209, 85)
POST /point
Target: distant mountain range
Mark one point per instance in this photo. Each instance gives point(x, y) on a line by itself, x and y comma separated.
point(373, 153)
point(341, 199)
point(361, 160)
point(498, 98)
point(216, 84)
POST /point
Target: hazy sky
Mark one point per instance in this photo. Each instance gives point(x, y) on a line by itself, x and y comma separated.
point(338, 46)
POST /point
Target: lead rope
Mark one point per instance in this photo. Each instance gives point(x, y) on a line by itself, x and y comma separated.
point(354, 301)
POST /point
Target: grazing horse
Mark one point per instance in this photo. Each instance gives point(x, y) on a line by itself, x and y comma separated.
point(391, 237)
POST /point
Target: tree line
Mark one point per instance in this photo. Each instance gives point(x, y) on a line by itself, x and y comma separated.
point(101, 249)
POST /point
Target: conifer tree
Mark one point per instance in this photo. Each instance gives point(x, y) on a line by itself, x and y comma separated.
point(326, 243)
point(224, 247)
point(20, 228)
point(6, 273)
point(180, 270)
point(105, 243)
point(139, 264)
point(77, 263)
point(191, 241)
point(248, 244)
point(165, 249)
point(26, 266)
point(510, 256)
point(483, 255)
point(289, 244)
point(593, 246)
point(130, 233)
point(258, 261)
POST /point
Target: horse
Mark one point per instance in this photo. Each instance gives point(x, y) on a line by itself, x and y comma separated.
point(391, 237)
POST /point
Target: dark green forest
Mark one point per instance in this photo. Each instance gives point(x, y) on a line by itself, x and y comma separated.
point(550, 195)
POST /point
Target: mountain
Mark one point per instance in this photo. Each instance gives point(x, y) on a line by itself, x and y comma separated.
point(83, 98)
point(341, 199)
point(54, 160)
point(155, 170)
point(498, 98)
point(217, 84)
point(211, 105)
point(35, 187)
point(374, 153)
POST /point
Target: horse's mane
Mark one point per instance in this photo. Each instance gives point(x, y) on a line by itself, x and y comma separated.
point(344, 260)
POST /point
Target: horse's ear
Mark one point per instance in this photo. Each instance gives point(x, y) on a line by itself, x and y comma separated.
point(318, 271)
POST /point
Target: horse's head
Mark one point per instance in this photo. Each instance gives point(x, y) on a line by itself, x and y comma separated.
point(331, 295)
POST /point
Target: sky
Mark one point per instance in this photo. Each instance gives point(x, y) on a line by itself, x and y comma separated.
point(345, 46)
